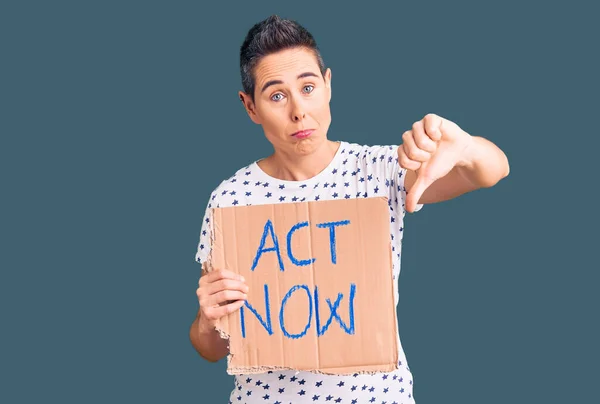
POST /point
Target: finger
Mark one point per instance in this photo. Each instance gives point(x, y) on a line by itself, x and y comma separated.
point(220, 311)
point(226, 284)
point(415, 193)
point(412, 150)
point(405, 161)
point(433, 126)
point(225, 297)
point(218, 274)
point(421, 139)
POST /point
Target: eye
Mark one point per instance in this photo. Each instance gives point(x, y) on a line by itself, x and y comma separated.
point(309, 85)
point(272, 98)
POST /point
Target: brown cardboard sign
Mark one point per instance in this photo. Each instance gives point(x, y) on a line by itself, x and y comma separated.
point(321, 292)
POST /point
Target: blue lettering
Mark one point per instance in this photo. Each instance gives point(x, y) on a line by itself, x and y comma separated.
point(284, 301)
point(333, 310)
point(331, 226)
point(262, 249)
point(294, 260)
point(267, 325)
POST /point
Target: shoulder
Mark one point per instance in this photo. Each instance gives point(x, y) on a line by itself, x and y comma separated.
point(231, 184)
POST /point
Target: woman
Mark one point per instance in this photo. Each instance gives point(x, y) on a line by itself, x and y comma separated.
point(287, 90)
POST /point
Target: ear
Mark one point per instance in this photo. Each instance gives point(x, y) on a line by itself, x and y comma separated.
point(249, 106)
point(328, 83)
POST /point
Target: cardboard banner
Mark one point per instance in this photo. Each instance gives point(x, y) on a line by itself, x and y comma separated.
point(321, 288)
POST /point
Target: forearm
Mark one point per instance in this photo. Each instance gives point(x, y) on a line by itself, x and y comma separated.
point(207, 341)
point(484, 164)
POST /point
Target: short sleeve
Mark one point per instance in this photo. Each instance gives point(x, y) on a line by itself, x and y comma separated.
point(204, 244)
point(385, 163)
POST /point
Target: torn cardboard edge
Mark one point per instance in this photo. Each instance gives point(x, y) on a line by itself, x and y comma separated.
point(207, 266)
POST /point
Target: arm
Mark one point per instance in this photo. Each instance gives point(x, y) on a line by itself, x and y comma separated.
point(482, 165)
point(207, 341)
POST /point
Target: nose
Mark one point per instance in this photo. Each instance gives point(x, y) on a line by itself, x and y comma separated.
point(298, 111)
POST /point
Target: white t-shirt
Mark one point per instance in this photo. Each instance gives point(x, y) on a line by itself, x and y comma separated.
point(356, 171)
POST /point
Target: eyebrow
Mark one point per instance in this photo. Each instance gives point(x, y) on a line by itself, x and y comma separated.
point(300, 76)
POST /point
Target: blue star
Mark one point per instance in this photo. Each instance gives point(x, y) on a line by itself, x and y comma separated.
point(333, 185)
point(344, 162)
point(235, 202)
point(303, 186)
point(294, 199)
point(319, 383)
point(329, 397)
point(302, 381)
point(362, 179)
point(266, 184)
point(315, 397)
point(281, 198)
point(346, 184)
point(376, 189)
point(370, 177)
point(268, 195)
point(224, 192)
point(233, 180)
point(248, 380)
point(334, 171)
point(281, 186)
point(293, 378)
point(374, 160)
point(371, 389)
point(364, 387)
point(347, 196)
point(402, 390)
point(302, 392)
point(281, 377)
point(353, 388)
point(258, 382)
point(246, 182)
point(248, 193)
point(317, 198)
point(335, 195)
point(340, 384)
point(325, 185)
point(204, 232)
point(249, 392)
point(202, 246)
point(281, 390)
point(248, 172)
point(266, 397)
point(266, 387)
point(386, 390)
point(257, 183)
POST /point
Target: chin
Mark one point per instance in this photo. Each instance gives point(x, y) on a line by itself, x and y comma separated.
point(307, 146)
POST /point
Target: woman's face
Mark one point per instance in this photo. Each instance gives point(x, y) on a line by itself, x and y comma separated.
point(291, 95)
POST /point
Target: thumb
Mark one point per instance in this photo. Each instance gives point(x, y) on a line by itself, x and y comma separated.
point(421, 184)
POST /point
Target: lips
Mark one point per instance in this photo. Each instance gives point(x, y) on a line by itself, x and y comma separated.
point(303, 133)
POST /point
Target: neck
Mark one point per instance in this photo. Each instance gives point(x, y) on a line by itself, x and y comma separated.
point(299, 168)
